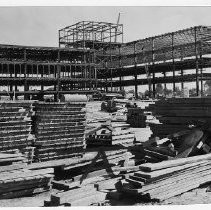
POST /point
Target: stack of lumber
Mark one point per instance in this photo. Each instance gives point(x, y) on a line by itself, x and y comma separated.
point(15, 125)
point(136, 118)
point(160, 181)
point(16, 180)
point(110, 135)
point(59, 130)
point(90, 190)
point(177, 114)
point(9, 159)
point(158, 154)
point(81, 196)
point(110, 157)
point(115, 156)
point(151, 153)
point(20, 182)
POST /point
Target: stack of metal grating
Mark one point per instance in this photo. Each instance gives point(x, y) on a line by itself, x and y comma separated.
point(176, 114)
point(59, 130)
point(15, 125)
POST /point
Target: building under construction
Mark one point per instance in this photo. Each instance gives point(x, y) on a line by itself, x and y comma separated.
point(92, 56)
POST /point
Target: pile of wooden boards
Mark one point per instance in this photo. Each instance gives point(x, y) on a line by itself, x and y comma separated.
point(81, 196)
point(103, 155)
point(136, 118)
point(160, 181)
point(16, 180)
point(15, 125)
point(177, 114)
point(152, 154)
point(92, 189)
point(110, 134)
point(59, 130)
point(9, 159)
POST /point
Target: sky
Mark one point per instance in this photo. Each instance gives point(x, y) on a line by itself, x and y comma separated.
point(38, 26)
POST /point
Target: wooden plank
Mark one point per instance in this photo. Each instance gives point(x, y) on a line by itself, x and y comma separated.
point(26, 173)
point(64, 197)
point(172, 180)
point(12, 159)
point(21, 193)
point(168, 171)
point(156, 155)
point(12, 167)
point(172, 163)
point(6, 156)
point(107, 184)
point(182, 187)
point(95, 198)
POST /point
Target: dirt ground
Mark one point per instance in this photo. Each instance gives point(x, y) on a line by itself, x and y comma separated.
point(196, 196)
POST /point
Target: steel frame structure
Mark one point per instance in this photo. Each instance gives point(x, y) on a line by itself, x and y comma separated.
point(92, 55)
point(165, 50)
point(63, 68)
point(105, 38)
point(91, 34)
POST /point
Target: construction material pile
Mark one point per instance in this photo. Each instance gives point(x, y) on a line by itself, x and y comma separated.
point(160, 181)
point(59, 130)
point(136, 117)
point(16, 180)
point(176, 114)
point(15, 125)
point(93, 185)
point(110, 134)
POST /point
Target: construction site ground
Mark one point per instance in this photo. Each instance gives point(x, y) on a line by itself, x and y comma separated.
point(196, 196)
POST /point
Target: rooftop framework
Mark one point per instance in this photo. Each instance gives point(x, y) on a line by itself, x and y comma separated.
point(90, 34)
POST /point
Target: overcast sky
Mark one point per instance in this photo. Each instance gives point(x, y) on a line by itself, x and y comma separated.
point(39, 25)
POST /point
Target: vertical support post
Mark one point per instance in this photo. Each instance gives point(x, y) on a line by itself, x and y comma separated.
point(173, 62)
point(16, 87)
point(120, 67)
point(111, 61)
point(26, 86)
point(201, 70)
point(149, 76)
point(42, 73)
point(182, 83)
point(153, 84)
point(197, 62)
point(11, 86)
point(164, 74)
point(58, 87)
point(135, 72)
point(106, 86)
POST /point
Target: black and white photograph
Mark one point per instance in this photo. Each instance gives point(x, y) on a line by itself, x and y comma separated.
point(105, 104)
